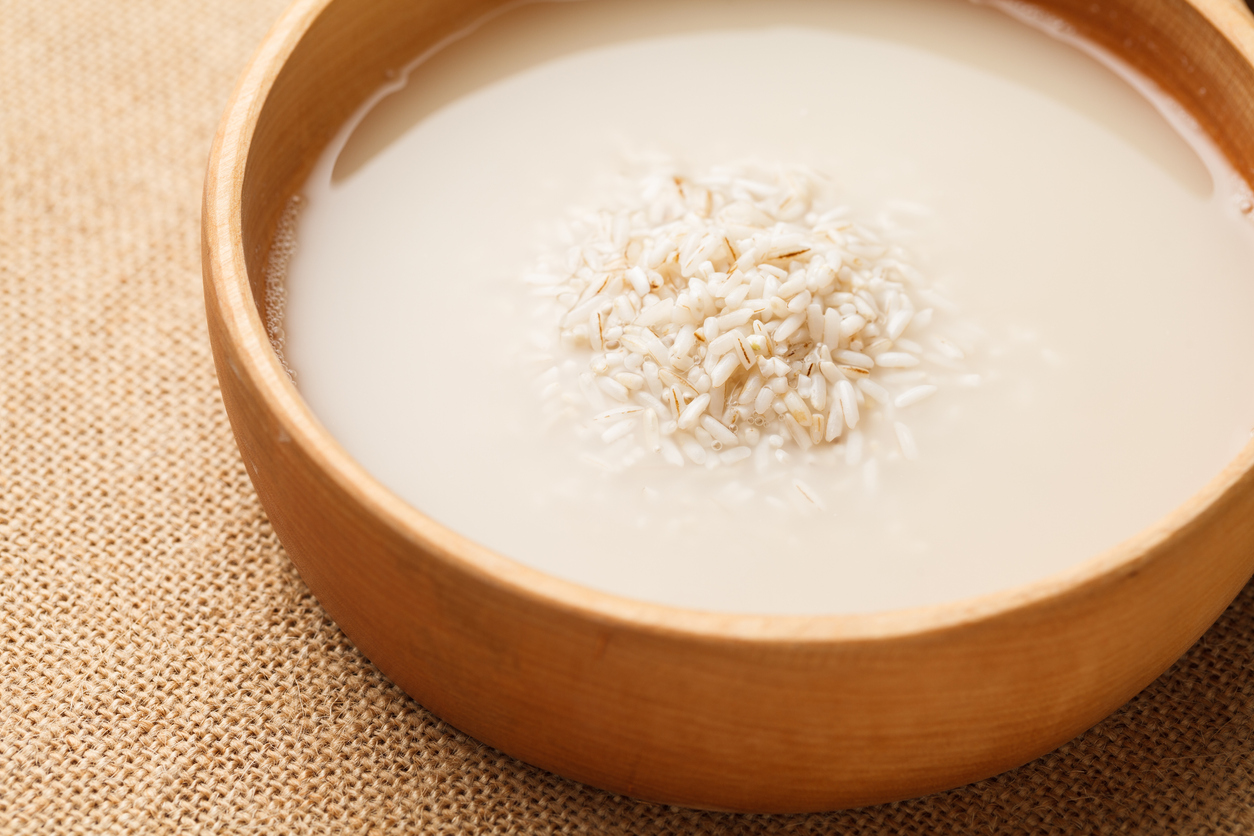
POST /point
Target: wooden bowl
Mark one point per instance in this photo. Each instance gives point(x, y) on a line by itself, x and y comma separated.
point(717, 711)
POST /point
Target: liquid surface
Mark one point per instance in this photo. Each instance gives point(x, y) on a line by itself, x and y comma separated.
point(1101, 255)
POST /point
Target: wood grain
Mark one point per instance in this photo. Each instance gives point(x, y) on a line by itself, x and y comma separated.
point(717, 711)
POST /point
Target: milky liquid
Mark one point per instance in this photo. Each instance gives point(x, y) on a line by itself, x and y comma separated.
point(1102, 255)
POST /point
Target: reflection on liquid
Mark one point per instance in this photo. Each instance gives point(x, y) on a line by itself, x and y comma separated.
point(533, 33)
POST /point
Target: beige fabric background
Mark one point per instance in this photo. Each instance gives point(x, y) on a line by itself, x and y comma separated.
point(163, 668)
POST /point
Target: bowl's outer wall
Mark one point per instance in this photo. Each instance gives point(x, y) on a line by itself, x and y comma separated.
point(728, 712)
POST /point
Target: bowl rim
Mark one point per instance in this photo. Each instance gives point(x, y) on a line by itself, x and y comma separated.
point(226, 267)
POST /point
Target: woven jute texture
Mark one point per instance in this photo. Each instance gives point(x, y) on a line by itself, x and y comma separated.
point(162, 666)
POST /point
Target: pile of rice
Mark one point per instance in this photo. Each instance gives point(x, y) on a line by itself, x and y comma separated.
point(734, 311)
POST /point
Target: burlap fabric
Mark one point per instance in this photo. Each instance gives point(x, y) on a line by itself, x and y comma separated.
point(163, 668)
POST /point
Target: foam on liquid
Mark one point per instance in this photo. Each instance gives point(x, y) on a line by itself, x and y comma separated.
point(1103, 255)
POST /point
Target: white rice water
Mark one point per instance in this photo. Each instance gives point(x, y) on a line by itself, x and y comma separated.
point(1098, 254)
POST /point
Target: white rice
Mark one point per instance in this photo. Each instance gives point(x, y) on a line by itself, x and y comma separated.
point(740, 309)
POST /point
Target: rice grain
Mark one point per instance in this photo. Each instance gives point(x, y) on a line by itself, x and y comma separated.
point(723, 309)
